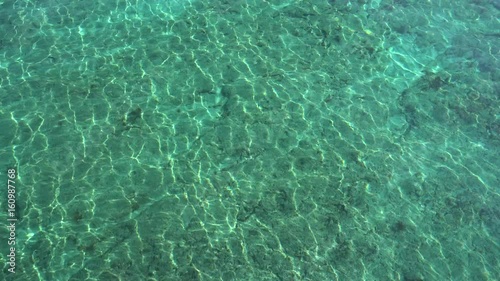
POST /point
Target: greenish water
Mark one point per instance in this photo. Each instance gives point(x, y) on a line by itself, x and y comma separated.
point(251, 140)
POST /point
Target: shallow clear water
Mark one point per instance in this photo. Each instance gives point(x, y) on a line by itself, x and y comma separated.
point(251, 140)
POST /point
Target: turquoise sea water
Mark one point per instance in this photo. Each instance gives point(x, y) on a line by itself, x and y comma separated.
point(251, 139)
